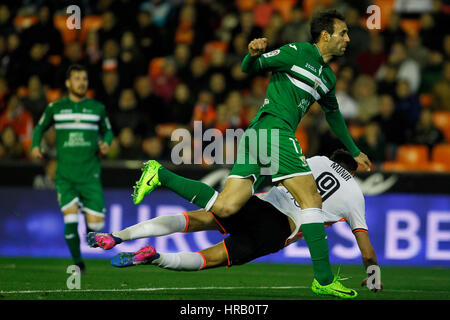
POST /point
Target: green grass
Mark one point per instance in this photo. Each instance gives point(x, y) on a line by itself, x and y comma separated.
point(45, 279)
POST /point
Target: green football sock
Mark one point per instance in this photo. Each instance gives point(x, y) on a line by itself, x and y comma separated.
point(316, 239)
point(194, 191)
point(73, 241)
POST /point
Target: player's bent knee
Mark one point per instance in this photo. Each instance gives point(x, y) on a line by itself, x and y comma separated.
point(96, 226)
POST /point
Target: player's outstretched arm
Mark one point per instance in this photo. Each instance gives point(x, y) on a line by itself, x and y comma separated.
point(368, 253)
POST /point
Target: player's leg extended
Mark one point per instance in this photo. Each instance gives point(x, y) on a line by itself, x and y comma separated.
point(303, 189)
point(214, 256)
point(191, 221)
point(154, 175)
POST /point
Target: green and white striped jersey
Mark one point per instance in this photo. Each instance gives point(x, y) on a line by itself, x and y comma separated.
point(299, 78)
point(79, 126)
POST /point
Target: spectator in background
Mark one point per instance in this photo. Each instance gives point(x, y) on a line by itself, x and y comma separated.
point(222, 121)
point(392, 124)
point(365, 92)
point(257, 93)
point(237, 79)
point(370, 60)
point(73, 54)
point(204, 110)
point(247, 27)
point(16, 117)
point(387, 80)
point(441, 90)
point(357, 33)
point(182, 57)
point(165, 83)
point(111, 55)
point(44, 32)
point(128, 115)
point(129, 145)
point(148, 36)
point(416, 51)
point(199, 74)
point(407, 103)
point(159, 10)
point(131, 59)
point(235, 104)
point(10, 146)
point(109, 29)
point(407, 68)
point(12, 61)
point(273, 32)
point(154, 148)
point(446, 47)
point(109, 91)
point(431, 35)
point(218, 87)
point(393, 32)
point(4, 91)
point(432, 72)
point(297, 29)
point(35, 101)
point(180, 110)
point(150, 104)
point(6, 20)
point(426, 132)
point(347, 104)
point(373, 143)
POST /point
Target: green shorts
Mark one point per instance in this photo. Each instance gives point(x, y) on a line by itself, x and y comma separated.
point(269, 148)
point(88, 195)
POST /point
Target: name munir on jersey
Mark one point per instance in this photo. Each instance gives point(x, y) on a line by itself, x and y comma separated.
point(342, 198)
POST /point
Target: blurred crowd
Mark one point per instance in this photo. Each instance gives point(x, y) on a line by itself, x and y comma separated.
point(161, 65)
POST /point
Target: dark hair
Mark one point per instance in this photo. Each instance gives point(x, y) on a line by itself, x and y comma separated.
point(345, 160)
point(324, 21)
point(75, 67)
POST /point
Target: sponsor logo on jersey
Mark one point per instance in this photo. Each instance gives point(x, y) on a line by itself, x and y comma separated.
point(271, 53)
point(310, 67)
point(293, 46)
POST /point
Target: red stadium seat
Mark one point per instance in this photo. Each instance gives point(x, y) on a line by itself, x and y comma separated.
point(412, 154)
point(441, 120)
point(67, 34)
point(441, 154)
point(53, 94)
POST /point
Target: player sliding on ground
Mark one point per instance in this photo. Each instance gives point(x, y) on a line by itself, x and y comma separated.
point(301, 76)
point(266, 224)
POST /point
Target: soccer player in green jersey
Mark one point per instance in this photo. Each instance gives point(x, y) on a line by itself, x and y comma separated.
point(300, 76)
point(83, 132)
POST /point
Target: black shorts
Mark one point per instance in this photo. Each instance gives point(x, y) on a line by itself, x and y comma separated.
point(256, 230)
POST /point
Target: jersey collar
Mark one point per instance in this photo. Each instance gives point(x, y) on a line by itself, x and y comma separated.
point(319, 54)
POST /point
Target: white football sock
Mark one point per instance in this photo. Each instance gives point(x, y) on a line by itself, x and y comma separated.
point(159, 226)
point(180, 261)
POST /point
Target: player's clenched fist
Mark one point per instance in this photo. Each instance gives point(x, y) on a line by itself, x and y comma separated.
point(257, 46)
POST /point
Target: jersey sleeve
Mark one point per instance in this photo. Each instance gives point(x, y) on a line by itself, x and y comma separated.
point(357, 216)
point(275, 60)
point(43, 124)
point(105, 127)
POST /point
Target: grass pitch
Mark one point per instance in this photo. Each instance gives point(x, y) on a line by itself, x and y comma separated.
point(46, 279)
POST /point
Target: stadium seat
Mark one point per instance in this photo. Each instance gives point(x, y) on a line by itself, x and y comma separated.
point(410, 26)
point(309, 6)
point(438, 167)
point(155, 66)
point(24, 22)
point(441, 154)
point(245, 5)
point(414, 155)
point(441, 120)
point(53, 94)
point(394, 166)
point(284, 7)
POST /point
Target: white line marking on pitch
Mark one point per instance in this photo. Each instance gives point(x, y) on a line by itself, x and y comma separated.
point(185, 288)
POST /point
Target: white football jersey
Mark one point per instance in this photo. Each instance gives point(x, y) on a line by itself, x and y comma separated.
point(342, 198)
